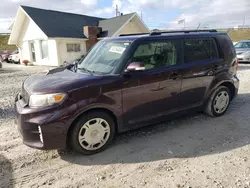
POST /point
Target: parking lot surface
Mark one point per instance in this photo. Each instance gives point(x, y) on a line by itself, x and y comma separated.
point(192, 151)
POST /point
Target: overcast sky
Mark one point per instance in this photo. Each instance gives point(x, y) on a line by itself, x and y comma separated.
point(159, 14)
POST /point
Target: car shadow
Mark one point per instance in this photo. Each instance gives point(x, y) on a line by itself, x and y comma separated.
point(184, 137)
point(6, 179)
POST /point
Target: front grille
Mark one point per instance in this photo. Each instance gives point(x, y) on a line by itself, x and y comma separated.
point(25, 95)
point(240, 59)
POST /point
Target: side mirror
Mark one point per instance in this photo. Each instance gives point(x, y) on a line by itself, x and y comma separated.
point(135, 66)
point(65, 64)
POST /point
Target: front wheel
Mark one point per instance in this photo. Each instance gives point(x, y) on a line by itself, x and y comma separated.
point(218, 102)
point(92, 133)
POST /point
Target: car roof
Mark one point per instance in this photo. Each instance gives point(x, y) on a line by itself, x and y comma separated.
point(245, 41)
point(175, 34)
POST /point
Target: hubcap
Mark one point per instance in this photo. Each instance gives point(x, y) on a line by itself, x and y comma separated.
point(94, 134)
point(221, 102)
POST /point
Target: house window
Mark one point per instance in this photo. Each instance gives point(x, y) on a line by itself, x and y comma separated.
point(44, 49)
point(73, 48)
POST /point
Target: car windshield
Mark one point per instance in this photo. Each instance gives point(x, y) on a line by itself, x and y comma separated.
point(104, 57)
point(242, 45)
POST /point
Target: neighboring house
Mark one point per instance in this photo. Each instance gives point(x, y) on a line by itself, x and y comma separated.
point(46, 37)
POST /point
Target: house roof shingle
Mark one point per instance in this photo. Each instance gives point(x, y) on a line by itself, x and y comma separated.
point(61, 24)
point(112, 25)
point(69, 25)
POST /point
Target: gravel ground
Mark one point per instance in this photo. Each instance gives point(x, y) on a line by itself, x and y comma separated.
point(190, 152)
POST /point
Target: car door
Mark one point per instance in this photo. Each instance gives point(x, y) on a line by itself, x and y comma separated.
point(153, 92)
point(201, 58)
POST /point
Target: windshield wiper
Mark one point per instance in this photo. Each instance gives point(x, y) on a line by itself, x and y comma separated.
point(84, 69)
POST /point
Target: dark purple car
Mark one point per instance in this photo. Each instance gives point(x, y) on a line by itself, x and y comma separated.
point(124, 83)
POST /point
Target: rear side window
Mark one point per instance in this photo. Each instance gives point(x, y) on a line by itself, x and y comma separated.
point(199, 49)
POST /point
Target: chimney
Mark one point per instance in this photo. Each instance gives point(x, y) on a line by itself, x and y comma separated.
point(91, 32)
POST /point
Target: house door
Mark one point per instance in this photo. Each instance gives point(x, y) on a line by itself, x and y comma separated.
point(33, 52)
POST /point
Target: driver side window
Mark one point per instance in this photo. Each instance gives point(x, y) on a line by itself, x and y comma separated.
point(156, 54)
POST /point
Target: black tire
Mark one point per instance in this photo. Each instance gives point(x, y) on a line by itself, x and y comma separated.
point(74, 143)
point(210, 108)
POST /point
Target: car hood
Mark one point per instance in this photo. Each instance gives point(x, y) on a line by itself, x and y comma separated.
point(57, 80)
point(241, 50)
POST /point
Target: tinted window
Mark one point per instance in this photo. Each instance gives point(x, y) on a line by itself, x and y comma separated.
point(156, 54)
point(199, 49)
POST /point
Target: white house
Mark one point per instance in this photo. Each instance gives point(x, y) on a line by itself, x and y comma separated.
point(46, 37)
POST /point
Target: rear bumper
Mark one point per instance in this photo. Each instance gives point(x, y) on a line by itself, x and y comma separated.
point(236, 83)
point(41, 130)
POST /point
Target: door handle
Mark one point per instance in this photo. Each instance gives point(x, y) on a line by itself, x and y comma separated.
point(158, 89)
point(175, 76)
point(216, 67)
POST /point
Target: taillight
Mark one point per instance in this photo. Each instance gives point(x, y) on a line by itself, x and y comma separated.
point(237, 64)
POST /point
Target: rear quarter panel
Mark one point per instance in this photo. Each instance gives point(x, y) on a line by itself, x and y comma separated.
point(227, 52)
point(223, 77)
point(226, 70)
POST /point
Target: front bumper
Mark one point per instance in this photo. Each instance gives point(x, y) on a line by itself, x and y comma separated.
point(41, 129)
point(243, 58)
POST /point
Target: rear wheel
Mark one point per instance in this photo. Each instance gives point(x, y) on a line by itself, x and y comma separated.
point(218, 102)
point(92, 133)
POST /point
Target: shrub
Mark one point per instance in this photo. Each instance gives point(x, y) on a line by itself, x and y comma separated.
point(25, 62)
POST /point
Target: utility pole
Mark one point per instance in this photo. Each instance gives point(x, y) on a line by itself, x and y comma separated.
point(116, 11)
point(244, 20)
point(198, 26)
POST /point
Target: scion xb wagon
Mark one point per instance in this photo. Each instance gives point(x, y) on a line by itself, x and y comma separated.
point(124, 83)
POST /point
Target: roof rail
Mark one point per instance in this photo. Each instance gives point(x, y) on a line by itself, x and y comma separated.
point(123, 35)
point(185, 31)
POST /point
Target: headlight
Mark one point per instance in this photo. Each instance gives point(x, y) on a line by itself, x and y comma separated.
point(46, 100)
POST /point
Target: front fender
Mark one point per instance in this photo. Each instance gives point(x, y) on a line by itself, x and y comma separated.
point(106, 102)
